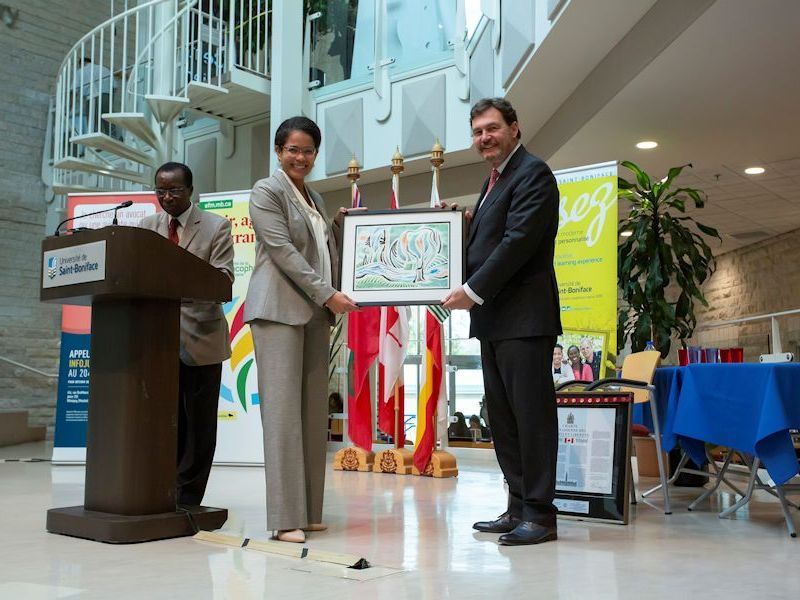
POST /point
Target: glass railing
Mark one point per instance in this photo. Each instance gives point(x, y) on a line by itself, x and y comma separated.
point(339, 54)
point(411, 34)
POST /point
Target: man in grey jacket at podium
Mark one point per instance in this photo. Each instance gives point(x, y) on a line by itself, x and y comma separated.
point(205, 341)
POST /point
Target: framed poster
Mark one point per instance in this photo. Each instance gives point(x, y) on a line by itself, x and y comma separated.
point(594, 451)
point(591, 347)
point(393, 257)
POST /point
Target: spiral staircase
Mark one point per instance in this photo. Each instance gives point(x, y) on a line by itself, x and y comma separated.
point(122, 88)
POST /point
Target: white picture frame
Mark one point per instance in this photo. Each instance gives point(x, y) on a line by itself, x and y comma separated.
point(402, 257)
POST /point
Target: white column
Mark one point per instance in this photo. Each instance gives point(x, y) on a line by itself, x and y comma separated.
point(163, 50)
point(286, 94)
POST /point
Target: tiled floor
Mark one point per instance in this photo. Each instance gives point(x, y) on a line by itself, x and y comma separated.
point(418, 526)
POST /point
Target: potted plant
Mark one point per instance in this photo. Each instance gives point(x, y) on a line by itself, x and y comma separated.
point(665, 247)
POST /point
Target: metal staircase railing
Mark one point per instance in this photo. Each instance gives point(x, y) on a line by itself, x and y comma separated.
point(121, 86)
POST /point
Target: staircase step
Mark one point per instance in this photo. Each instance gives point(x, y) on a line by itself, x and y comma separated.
point(109, 144)
point(136, 123)
point(69, 188)
point(79, 164)
point(166, 108)
point(199, 92)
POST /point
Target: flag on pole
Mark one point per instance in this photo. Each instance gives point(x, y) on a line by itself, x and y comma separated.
point(356, 196)
point(435, 191)
point(362, 341)
point(393, 346)
point(394, 202)
point(432, 393)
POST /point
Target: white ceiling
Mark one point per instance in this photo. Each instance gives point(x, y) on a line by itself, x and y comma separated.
point(724, 95)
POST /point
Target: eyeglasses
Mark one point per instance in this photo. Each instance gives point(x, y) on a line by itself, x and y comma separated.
point(163, 193)
point(295, 151)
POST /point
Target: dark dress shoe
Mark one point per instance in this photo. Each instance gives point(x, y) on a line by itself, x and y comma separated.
point(502, 524)
point(528, 532)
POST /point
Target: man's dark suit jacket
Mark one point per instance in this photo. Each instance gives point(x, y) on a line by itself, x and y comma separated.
point(510, 248)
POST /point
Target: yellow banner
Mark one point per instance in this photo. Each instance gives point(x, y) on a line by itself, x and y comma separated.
point(586, 266)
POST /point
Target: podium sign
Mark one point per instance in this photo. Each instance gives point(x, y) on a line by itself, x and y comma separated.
point(74, 264)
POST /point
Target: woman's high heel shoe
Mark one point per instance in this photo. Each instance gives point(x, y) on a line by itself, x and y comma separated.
point(296, 536)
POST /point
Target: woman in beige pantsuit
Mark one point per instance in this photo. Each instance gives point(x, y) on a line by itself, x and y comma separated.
point(289, 306)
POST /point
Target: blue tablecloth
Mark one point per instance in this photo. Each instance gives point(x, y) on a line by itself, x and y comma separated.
point(746, 406)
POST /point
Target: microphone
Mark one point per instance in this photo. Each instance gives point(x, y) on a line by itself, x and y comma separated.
point(125, 204)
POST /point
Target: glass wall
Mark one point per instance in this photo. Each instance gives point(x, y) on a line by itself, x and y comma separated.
point(464, 380)
point(416, 33)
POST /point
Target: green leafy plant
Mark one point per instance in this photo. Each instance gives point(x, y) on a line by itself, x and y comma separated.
point(663, 248)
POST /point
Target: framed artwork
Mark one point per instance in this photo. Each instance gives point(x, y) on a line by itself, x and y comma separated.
point(594, 451)
point(393, 257)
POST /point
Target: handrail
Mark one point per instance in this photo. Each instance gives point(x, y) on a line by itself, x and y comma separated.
point(138, 60)
point(104, 24)
point(776, 330)
point(158, 47)
point(28, 368)
point(746, 319)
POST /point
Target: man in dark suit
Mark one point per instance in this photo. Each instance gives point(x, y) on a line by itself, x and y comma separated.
point(512, 297)
point(205, 341)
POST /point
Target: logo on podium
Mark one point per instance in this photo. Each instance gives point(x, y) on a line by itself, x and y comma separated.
point(52, 267)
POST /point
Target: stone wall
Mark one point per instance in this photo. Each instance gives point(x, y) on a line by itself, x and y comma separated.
point(32, 50)
point(758, 279)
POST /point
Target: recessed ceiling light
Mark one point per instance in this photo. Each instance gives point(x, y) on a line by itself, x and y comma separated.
point(754, 170)
point(646, 145)
point(626, 234)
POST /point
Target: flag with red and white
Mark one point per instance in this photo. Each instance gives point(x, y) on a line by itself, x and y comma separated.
point(362, 341)
point(393, 346)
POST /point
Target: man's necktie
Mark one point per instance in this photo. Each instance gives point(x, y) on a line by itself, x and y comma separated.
point(492, 180)
point(173, 230)
point(493, 177)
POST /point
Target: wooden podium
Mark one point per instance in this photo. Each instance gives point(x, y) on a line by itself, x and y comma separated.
point(134, 280)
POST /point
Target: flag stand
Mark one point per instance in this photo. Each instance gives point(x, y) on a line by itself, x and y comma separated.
point(398, 460)
point(353, 458)
point(441, 464)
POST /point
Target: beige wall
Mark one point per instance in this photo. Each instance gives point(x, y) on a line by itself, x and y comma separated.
point(32, 51)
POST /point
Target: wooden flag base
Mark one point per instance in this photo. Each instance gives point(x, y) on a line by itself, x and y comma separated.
point(399, 461)
point(442, 464)
point(353, 458)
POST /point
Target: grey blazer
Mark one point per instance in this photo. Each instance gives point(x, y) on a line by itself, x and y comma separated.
point(285, 283)
point(204, 330)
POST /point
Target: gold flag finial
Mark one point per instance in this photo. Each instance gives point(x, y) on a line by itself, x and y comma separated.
point(437, 153)
point(397, 162)
point(353, 169)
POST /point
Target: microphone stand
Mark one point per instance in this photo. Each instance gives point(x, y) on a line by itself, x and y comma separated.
point(125, 204)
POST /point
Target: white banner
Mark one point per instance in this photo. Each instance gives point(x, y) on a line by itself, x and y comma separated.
point(239, 434)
